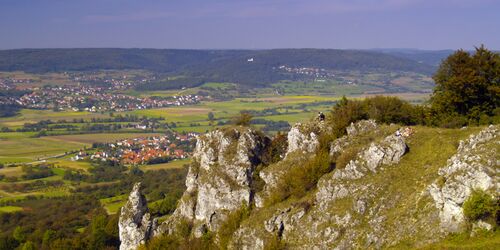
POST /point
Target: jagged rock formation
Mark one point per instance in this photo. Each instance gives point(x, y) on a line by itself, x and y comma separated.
point(303, 141)
point(356, 206)
point(353, 130)
point(135, 225)
point(219, 179)
point(315, 225)
point(303, 138)
point(466, 171)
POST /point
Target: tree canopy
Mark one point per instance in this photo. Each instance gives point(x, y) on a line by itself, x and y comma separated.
point(468, 84)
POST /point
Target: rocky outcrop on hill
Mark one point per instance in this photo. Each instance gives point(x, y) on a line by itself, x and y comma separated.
point(219, 179)
point(308, 225)
point(303, 138)
point(356, 206)
point(474, 166)
point(353, 130)
point(135, 224)
point(387, 152)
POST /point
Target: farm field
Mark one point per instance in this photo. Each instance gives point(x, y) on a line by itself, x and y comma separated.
point(10, 209)
point(33, 115)
point(17, 147)
point(168, 165)
point(104, 137)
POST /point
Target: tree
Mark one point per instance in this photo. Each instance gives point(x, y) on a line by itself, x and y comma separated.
point(468, 85)
point(19, 234)
point(243, 119)
point(211, 116)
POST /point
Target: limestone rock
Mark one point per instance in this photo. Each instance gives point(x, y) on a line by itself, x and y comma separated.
point(387, 152)
point(355, 129)
point(361, 127)
point(135, 223)
point(219, 179)
point(302, 139)
point(474, 166)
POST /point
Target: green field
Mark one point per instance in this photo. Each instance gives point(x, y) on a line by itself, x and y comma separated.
point(168, 165)
point(10, 209)
point(113, 204)
point(34, 115)
point(17, 147)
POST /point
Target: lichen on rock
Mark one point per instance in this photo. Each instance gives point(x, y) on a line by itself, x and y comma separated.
point(474, 166)
point(135, 223)
point(219, 179)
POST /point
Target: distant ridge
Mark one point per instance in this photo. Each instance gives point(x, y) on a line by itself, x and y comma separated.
point(213, 65)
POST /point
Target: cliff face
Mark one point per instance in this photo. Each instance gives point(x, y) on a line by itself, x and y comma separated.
point(219, 179)
point(135, 224)
point(396, 186)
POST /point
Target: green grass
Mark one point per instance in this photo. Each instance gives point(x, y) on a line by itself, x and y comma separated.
point(35, 115)
point(168, 165)
point(113, 204)
point(87, 139)
point(483, 240)
point(10, 209)
point(20, 147)
point(11, 171)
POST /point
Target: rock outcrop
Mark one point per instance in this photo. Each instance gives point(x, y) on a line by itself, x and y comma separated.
point(361, 205)
point(474, 166)
point(219, 179)
point(135, 224)
point(355, 129)
point(303, 139)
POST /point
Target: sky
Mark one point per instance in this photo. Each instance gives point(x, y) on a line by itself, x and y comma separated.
point(250, 24)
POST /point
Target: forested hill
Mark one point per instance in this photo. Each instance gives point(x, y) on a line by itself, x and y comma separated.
point(430, 57)
point(220, 65)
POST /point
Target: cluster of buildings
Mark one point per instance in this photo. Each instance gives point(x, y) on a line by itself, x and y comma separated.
point(112, 82)
point(138, 151)
point(95, 99)
point(312, 72)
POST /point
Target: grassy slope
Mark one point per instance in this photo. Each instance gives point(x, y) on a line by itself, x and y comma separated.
point(398, 187)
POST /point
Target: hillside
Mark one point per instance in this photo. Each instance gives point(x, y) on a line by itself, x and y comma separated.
point(429, 57)
point(376, 188)
point(207, 65)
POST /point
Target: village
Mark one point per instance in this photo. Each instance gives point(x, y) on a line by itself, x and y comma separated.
point(139, 151)
point(95, 99)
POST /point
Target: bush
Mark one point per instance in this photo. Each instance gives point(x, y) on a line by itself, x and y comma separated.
point(231, 224)
point(243, 119)
point(345, 157)
point(480, 205)
point(302, 178)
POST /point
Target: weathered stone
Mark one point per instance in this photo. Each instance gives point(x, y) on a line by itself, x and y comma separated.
point(135, 224)
point(300, 140)
point(355, 129)
point(465, 171)
point(361, 127)
point(219, 179)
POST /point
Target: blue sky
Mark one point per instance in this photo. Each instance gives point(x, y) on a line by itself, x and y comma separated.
point(250, 24)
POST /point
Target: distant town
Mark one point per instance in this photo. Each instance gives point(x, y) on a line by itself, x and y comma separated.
point(138, 151)
point(89, 93)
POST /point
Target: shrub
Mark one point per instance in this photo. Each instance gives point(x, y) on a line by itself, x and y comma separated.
point(302, 178)
point(231, 224)
point(480, 205)
point(345, 157)
point(243, 119)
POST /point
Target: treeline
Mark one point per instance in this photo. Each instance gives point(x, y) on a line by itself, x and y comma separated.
point(467, 93)
point(7, 110)
point(178, 83)
point(78, 221)
point(209, 65)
